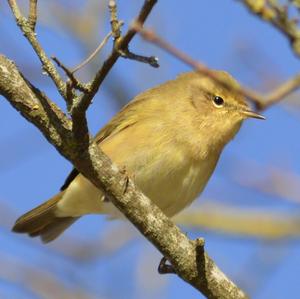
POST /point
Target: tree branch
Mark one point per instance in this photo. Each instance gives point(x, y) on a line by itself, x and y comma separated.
point(122, 44)
point(188, 259)
point(71, 138)
point(27, 29)
point(260, 101)
point(32, 14)
point(75, 83)
point(32, 103)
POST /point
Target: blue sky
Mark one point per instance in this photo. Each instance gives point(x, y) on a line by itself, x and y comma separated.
point(217, 33)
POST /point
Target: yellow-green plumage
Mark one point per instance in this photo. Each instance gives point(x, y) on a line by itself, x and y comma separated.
point(168, 138)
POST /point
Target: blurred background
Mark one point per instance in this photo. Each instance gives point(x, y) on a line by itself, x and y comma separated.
point(249, 213)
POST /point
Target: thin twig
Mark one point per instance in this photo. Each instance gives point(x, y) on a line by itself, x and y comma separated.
point(111, 60)
point(75, 82)
point(280, 92)
point(151, 60)
point(93, 54)
point(114, 21)
point(117, 34)
point(32, 14)
point(260, 101)
point(47, 64)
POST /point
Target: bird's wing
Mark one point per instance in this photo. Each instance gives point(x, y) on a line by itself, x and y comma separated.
point(122, 120)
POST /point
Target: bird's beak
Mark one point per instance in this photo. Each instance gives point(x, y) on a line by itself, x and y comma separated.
point(252, 114)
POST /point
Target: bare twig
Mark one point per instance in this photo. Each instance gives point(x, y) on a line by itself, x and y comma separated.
point(114, 21)
point(111, 60)
point(75, 82)
point(260, 101)
point(28, 32)
point(279, 92)
point(151, 60)
point(32, 14)
point(125, 52)
point(93, 54)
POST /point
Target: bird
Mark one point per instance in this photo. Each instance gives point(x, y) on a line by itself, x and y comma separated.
point(169, 138)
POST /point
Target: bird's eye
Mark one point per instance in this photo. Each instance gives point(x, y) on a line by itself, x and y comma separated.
point(218, 101)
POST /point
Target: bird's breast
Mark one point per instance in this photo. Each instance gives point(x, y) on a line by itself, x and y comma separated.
point(167, 173)
point(173, 179)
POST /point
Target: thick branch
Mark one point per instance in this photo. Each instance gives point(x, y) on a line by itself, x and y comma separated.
point(32, 103)
point(187, 257)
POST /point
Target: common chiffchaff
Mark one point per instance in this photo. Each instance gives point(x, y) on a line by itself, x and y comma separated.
point(169, 139)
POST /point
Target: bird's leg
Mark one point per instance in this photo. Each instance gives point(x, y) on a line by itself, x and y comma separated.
point(164, 268)
point(167, 268)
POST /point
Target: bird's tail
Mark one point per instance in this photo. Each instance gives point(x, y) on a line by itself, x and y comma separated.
point(42, 221)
